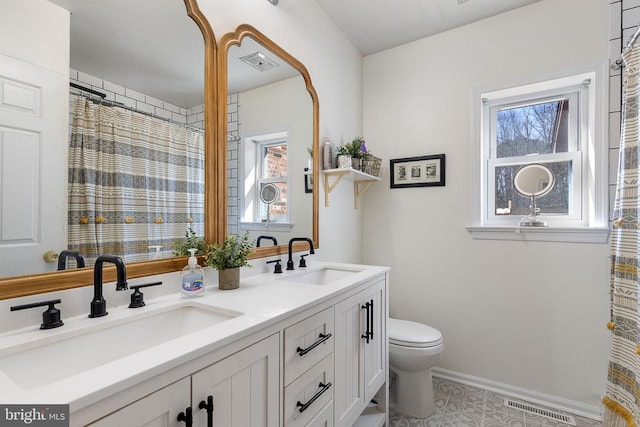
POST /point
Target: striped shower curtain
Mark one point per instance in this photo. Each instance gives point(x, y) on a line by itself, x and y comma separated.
point(622, 400)
point(134, 182)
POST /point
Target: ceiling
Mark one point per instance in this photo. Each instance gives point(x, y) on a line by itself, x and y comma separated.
point(376, 25)
point(116, 39)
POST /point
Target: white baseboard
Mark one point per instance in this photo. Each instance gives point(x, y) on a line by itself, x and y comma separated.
point(570, 406)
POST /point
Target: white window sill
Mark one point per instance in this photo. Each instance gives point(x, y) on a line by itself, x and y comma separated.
point(262, 226)
point(542, 234)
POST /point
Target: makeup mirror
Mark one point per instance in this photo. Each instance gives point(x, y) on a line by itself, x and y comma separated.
point(533, 181)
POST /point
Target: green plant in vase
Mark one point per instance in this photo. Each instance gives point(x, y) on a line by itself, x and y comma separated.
point(227, 257)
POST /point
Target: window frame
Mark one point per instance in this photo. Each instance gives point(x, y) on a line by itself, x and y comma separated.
point(250, 200)
point(588, 218)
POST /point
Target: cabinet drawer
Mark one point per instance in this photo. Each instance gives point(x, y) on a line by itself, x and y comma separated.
point(306, 343)
point(307, 398)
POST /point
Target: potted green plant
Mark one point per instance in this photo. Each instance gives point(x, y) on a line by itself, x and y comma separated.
point(356, 150)
point(344, 156)
point(227, 257)
point(181, 247)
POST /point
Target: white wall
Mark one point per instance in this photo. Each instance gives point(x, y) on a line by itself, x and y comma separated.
point(526, 314)
point(335, 67)
point(37, 32)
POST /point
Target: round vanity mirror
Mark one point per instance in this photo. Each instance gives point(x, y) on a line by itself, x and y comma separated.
point(534, 180)
point(269, 193)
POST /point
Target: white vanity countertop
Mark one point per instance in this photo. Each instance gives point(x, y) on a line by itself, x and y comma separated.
point(263, 299)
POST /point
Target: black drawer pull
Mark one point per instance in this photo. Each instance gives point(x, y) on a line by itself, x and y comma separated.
point(304, 406)
point(367, 334)
point(322, 338)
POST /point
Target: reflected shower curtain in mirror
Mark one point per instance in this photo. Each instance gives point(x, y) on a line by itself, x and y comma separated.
point(622, 400)
point(134, 182)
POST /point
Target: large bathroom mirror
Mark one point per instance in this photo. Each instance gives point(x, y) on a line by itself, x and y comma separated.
point(175, 70)
point(271, 129)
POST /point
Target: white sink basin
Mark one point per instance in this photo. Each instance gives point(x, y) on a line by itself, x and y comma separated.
point(321, 276)
point(36, 364)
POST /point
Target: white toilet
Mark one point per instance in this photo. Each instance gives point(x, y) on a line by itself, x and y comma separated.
point(414, 349)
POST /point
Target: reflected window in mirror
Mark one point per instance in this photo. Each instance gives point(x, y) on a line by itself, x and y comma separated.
point(550, 123)
point(265, 166)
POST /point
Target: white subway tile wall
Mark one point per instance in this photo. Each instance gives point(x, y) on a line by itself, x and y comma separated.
point(193, 116)
point(233, 145)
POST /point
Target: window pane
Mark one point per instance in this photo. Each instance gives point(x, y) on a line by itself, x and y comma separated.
point(510, 202)
point(541, 128)
point(274, 161)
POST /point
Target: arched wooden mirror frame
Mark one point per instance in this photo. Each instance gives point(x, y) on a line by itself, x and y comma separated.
point(235, 38)
point(47, 282)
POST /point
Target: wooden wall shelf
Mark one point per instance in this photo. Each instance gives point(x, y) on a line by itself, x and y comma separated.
point(361, 182)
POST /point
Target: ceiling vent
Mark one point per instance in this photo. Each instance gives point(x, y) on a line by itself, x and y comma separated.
point(259, 61)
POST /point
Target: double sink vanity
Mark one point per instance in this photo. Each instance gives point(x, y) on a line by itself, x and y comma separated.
point(306, 347)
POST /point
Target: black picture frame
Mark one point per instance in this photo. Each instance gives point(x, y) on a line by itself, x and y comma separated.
point(422, 171)
point(308, 181)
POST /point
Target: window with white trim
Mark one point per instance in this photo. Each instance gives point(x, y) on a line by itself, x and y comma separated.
point(553, 123)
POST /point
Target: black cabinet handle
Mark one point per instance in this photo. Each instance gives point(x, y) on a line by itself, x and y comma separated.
point(367, 333)
point(187, 417)
point(304, 406)
point(371, 315)
point(208, 405)
point(322, 338)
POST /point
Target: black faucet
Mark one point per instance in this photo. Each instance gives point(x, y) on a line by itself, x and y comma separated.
point(273, 239)
point(99, 305)
point(62, 259)
point(298, 239)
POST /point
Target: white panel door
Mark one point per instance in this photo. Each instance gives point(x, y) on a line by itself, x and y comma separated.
point(245, 388)
point(34, 106)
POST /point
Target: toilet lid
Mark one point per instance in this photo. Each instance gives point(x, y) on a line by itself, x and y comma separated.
point(411, 334)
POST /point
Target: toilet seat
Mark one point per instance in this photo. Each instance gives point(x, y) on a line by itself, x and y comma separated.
point(406, 333)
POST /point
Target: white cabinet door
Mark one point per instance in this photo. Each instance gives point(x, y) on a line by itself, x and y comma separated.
point(245, 388)
point(34, 105)
point(360, 351)
point(375, 351)
point(159, 409)
point(348, 392)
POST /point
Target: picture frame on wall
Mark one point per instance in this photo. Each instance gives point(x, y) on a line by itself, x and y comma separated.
point(422, 171)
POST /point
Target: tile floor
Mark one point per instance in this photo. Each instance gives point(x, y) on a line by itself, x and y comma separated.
point(459, 405)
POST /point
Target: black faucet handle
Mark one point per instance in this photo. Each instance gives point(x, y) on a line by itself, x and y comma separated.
point(303, 262)
point(277, 268)
point(50, 317)
point(137, 297)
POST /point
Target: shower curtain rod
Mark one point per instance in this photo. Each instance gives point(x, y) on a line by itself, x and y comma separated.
point(620, 62)
point(110, 103)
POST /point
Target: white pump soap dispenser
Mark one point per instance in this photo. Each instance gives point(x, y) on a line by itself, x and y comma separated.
point(192, 278)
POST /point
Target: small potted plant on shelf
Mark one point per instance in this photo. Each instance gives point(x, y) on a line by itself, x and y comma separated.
point(357, 151)
point(227, 257)
point(344, 156)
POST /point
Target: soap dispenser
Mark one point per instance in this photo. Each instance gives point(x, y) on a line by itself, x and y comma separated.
point(192, 278)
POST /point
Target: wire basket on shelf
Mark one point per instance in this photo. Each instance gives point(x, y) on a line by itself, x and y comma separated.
point(372, 165)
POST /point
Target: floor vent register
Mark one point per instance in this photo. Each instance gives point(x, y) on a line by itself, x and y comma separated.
point(543, 412)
